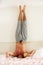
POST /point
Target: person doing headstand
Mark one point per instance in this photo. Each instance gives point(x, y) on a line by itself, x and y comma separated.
point(21, 37)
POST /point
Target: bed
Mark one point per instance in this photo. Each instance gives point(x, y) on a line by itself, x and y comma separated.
point(35, 60)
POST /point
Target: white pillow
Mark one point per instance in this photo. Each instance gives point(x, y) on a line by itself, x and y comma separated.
point(38, 54)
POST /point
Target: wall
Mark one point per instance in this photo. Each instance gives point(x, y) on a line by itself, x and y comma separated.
point(35, 23)
point(8, 24)
point(20, 2)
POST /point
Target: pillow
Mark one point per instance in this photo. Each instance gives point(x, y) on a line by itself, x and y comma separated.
point(39, 53)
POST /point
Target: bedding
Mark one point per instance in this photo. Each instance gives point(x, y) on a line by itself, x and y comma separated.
point(39, 53)
point(20, 61)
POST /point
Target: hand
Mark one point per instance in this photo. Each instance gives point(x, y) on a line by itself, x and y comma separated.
point(7, 54)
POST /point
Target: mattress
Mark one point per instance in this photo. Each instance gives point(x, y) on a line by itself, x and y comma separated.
point(20, 61)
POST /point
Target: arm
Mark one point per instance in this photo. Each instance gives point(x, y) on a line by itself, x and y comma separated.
point(32, 52)
point(9, 54)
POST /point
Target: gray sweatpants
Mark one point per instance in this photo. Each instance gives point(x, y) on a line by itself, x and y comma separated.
point(21, 31)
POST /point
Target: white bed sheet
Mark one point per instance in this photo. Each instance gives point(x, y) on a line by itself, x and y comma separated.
point(18, 61)
point(39, 53)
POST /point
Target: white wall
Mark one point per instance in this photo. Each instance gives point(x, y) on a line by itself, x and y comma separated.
point(4, 3)
point(8, 23)
point(35, 23)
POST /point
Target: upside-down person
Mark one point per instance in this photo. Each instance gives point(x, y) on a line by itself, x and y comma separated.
point(21, 37)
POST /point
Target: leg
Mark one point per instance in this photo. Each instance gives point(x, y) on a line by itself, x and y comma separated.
point(18, 31)
point(24, 26)
point(20, 14)
point(24, 14)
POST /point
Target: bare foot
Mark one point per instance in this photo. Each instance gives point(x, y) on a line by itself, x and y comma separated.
point(20, 9)
point(24, 8)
